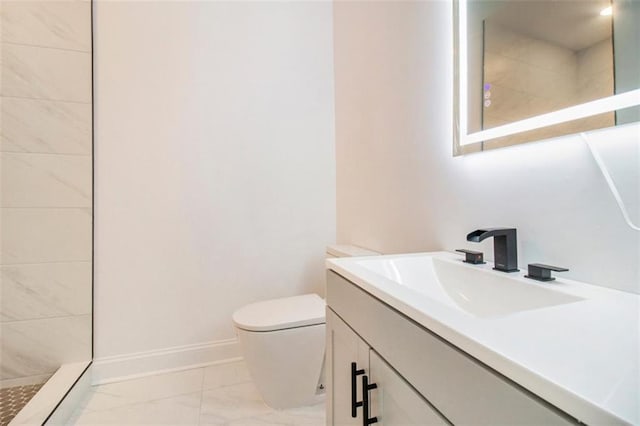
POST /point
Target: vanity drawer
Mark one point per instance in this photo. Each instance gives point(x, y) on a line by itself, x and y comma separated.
point(463, 389)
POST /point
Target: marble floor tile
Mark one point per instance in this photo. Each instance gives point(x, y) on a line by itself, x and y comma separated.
point(145, 389)
point(222, 405)
point(228, 374)
point(217, 395)
point(310, 416)
point(175, 410)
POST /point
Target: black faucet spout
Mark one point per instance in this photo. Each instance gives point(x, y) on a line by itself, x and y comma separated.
point(505, 246)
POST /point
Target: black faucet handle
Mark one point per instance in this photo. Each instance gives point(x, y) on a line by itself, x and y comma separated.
point(474, 257)
point(541, 272)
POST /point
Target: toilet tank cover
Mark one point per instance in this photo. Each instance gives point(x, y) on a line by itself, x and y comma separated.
point(280, 314)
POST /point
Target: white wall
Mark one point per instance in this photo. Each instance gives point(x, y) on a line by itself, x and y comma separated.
point(215, 170)
point(399, 189)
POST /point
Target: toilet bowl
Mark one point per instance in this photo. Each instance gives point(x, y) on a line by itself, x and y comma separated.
point(283, 342)
point(283, 345)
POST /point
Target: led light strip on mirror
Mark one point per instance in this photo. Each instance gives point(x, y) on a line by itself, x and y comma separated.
point(611, 103)
point(588, 109)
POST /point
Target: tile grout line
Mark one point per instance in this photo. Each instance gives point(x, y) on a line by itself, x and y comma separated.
point(4, 265)
point(46, 207)
point(39, 46)
point(44, 318)
point(3, 95)
point(4, 152)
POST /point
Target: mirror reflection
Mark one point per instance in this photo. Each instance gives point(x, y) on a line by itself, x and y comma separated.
point(531, 57)
point(533, 65)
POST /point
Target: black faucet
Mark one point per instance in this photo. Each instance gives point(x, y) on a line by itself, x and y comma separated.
point(505, 247)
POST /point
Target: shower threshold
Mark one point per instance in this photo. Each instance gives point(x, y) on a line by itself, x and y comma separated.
point(53, 398)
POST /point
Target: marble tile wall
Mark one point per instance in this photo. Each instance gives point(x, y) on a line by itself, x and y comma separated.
point(45, 187)
point(595, 76)
point(529, 77)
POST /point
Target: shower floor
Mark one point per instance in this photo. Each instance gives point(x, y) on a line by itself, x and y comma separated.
point(13, 399)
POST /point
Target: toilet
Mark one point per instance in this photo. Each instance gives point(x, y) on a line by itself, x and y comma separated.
point(283, 343)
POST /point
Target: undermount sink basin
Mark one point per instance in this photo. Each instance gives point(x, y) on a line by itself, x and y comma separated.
point(470, 289)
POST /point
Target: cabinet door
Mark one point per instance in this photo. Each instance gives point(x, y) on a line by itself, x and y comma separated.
point(344, 347)
point(465, 390)
point(394, 401)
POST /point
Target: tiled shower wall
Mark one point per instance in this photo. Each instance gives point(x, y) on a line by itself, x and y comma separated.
point(529, 77)
point(45, 188)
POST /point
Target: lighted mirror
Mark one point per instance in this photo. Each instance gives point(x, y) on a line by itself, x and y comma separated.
point(529, 70)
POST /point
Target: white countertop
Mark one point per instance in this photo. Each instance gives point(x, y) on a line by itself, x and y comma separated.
point(582, 357)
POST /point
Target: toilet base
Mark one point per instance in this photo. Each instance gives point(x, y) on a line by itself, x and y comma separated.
point(286, 365)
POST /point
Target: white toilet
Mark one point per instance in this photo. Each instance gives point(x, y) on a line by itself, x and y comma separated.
point(283, 343)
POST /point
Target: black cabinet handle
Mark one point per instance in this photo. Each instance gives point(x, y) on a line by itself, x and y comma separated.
point(366, 387)
point(354, 404)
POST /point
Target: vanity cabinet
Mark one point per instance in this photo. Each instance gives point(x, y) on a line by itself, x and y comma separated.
point(352, 365)
point(420, 378)
point(345, 352)
point(395, 402)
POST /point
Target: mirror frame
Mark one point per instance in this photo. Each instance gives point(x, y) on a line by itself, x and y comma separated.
point(465, 143)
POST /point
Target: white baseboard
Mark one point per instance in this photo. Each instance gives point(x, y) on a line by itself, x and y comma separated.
point(140, 364)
